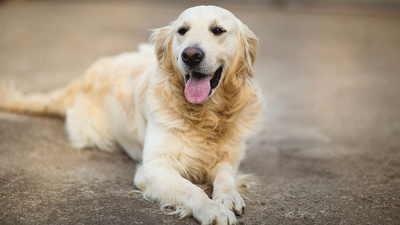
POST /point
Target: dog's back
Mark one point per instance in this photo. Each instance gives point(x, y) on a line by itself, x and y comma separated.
point(96, 107)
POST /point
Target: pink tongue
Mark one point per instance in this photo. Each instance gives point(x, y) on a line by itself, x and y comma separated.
point(197, 90)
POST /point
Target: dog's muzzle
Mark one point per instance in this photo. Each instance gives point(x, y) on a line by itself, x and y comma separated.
point(199, 86)
point(192, 56)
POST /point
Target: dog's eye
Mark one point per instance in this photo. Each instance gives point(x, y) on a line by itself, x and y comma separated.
point(217, 31)
point(182, 31)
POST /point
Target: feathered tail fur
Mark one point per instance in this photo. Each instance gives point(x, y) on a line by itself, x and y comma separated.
point(53, 103)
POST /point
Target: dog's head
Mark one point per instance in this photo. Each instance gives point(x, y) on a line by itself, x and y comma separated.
point(205, 46)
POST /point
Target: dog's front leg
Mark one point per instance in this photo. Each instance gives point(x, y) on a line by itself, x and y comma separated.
point(160, 181)
point(225, 190)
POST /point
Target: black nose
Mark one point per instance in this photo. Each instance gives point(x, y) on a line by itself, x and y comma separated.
point(192, 56)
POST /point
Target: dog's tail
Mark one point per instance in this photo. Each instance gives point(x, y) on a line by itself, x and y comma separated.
point(53, 103)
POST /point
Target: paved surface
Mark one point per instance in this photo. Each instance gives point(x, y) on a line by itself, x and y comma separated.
point(329, 152)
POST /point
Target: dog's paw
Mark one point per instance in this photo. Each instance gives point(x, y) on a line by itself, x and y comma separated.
point(231, 199)
point(214, 213)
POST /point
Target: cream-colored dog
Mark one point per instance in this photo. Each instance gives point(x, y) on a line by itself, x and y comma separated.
point(183, 112)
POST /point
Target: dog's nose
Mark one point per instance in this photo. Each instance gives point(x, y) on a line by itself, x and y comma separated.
point(192, 56)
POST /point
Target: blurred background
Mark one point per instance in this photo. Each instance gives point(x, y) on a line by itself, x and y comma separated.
point(328, 152)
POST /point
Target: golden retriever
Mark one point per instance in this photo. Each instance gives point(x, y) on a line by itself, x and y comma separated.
point(183, 113)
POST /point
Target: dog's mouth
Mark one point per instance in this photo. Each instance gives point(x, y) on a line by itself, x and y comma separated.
point(199, 86)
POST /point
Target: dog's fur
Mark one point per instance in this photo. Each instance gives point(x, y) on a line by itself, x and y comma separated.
point(136, 101)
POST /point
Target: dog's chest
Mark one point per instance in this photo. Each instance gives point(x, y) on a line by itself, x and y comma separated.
point(198, 153)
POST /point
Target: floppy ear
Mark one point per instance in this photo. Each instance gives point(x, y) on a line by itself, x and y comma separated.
point(248, 47)
point(162, 39)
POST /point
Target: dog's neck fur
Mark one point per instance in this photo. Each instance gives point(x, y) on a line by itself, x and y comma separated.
point(213, 120)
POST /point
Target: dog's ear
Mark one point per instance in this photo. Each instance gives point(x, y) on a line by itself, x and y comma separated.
point(162, 38)
point(248, 47)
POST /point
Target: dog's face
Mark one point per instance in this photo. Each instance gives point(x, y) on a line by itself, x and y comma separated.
point(203, 44)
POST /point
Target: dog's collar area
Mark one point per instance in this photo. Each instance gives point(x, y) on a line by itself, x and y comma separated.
point(214, 81)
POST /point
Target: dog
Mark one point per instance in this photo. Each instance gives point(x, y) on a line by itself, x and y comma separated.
point(182, 107)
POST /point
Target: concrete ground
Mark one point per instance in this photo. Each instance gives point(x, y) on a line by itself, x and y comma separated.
point(328, 153)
